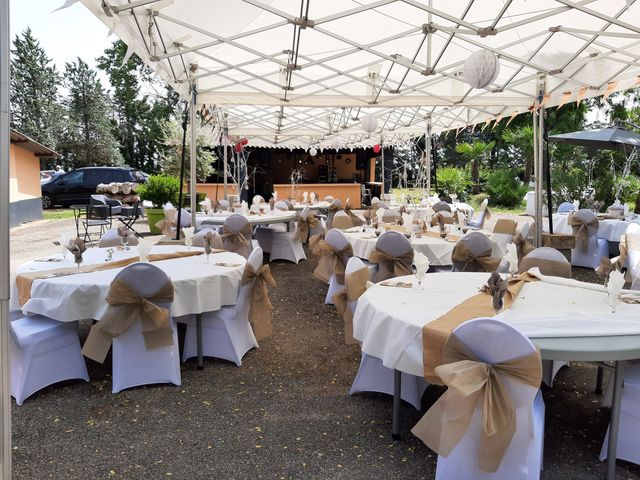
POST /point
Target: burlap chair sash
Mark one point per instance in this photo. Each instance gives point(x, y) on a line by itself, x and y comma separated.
point(390, 266)
point(355, 284)
point(305, 226)
point(476, 384)
point(127, 306)
point(482, 262)
point(237, 241)
point(436, 333)
point(24, 281)
point(332, 262)
point(523, 246)
point(260, 307)
point(583, 230)
point(357, 221)
point(547, 267)
point(168, 223)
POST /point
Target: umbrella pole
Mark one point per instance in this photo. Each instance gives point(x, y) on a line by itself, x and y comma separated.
point(184, 146)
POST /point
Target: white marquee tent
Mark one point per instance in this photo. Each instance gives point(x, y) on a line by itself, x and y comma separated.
point(301, 73)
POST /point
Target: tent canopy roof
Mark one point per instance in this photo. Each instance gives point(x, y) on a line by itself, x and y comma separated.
point(302, 72)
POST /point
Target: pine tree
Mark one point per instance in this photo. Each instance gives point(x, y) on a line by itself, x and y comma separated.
point(88, 139)
point(35, 107)
point(139, 117)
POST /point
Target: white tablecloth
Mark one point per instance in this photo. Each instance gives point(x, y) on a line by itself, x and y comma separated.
point(389, 320)
point(609, 229)
point(199, 286)
point(437, 250)
point(270, 217)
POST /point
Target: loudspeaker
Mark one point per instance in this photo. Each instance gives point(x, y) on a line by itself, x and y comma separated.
point(361, 164)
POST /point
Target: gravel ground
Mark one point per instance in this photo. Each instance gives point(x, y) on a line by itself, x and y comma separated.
point(285, 413)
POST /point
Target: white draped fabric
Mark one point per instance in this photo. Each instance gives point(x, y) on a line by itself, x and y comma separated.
point(389, 320)
point(199, 286)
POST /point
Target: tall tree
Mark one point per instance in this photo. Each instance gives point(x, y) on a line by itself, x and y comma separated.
point(474, 153)
point(521, 140)
point(88, 139)
point(172, 152)
point(35, 107)
point(139, 114)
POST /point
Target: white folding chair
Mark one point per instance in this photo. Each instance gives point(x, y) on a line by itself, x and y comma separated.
point(133, 363)
point(226, 333)
point(42, 352)
point(493, 341)
point(478, 222)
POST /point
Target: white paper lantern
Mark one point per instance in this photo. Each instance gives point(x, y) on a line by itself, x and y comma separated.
point(369, 123)
point(313, 151)
point(481, 69)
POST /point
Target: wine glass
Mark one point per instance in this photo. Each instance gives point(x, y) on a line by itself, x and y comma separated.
point(124, 240)
point(613, 300)
point(77, 257)
point(419, 274)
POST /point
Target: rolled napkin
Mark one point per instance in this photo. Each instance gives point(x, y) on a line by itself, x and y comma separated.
point(305, 197)
point(272, 203)
point(407, 221)
point(389, 265)
point(497, 287)
point(275, 196)
point(127, 306)
point(124, 232)
point(379, 215)
point(77, 247)
point(356, 220)
point(512, 257)
point(462, 219)
point(473, 385)
point(244, 208)
point(576, 205)
point(332, 262)
point(260, 307)
point(614, 287)
point(420, 265)
point(313, 197)
point(144, 248)
point(188, 235)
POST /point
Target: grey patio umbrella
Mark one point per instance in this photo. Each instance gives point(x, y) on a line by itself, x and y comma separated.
point(610, 138)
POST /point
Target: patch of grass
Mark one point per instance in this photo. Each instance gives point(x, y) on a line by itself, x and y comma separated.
point(57, 214)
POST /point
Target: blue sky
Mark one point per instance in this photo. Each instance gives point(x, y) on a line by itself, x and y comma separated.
point(66, 34)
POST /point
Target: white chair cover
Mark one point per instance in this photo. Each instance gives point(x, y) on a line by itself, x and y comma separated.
point(226, 333)
point(441, 206)
point(238, 224)
point(493, 341)
point(342, 220)
point(133, 363)
point(198, 238)
point(632, 238)
point(477, 243)
point(42, 352)
point(112, 239)
point(338, 241)
point(257, 200)
point(596, 247)
point(566, 207)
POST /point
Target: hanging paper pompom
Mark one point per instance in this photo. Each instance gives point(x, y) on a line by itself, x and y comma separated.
point(376, 148)
point(244, 141)
point(238, 147)
point(313, 151)
point(369, 123)
point(481, 69)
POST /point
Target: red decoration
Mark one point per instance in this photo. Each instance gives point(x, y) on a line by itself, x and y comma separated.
point(376, 148)
point(238, 147)
point(244, 141)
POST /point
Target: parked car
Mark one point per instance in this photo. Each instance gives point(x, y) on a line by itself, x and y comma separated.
point(77, 186)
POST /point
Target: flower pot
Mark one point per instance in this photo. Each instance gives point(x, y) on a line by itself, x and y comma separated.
point(154, 215)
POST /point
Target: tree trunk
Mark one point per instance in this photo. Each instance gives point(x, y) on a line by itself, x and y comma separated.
point(528, 168)
point(475, 175)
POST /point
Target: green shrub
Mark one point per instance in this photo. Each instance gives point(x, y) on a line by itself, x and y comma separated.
point(453, 180)
point(505, 188)
point(630, 187)
point(160, 189)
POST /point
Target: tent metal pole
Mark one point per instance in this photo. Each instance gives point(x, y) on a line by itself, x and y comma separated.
point(182, 155)
point(193, 154)
point(427, 153)
point(536, 177)
point(5, 380)
point(547, 173)
point(540, 178)
point(382, 165)
point(225, 163)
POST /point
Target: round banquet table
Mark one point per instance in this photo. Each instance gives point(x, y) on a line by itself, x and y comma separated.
point(276, 216)
point(298, 207)
point(609, 229)
point(437, 250)
point(199, 286)
point(388, 321)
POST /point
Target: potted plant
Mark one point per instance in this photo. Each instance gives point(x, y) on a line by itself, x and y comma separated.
point(158, 189)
